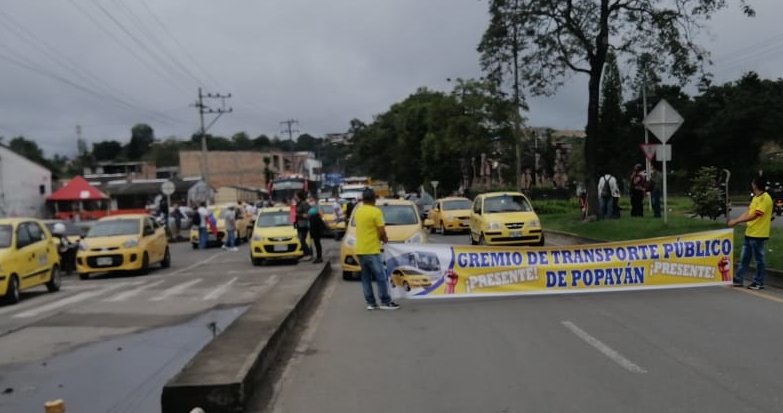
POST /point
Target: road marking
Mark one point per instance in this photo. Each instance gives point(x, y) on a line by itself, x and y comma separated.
point(217, 292)
point(192, 266)
point(759, 294)
point(70, 300)
point(130, 293)
point(175, 290)
point(603, 348)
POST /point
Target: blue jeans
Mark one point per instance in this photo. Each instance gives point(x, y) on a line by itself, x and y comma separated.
point(230, 241)
point(605, 203)
point(372, 266)
point(202, 238)
point(655, 196)
point(755, 248)
point(302, 234)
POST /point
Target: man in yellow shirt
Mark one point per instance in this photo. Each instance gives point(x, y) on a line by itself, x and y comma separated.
point(370, 232)
point(759, 217)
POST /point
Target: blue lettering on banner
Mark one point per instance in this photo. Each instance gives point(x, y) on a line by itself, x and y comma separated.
point(628, 275)
point(491, 259)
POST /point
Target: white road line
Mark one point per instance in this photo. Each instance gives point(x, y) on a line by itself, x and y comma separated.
point(603, 348)
point(175, 290)
point(68, 301)
point(192, 266)
point(217, 292)
point(130, 293)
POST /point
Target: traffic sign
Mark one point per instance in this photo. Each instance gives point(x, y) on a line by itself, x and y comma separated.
point(663, 121)
point(435, 188)
point(649, 150)
point(167, 188)
point(663, 153)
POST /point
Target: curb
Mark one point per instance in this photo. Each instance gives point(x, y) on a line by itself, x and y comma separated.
point(193, 387)
point(772, 277)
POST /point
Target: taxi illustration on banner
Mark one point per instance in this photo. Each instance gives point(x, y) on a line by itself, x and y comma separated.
point(409, 278)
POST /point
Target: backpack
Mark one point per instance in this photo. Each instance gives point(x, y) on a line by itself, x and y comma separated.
point(196, 222)
point(606, 191)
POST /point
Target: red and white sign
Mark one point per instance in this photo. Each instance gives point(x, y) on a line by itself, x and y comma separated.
point(649, 150)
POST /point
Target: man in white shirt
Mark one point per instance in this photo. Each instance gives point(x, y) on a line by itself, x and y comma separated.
point(607, 191)
point(202, 225)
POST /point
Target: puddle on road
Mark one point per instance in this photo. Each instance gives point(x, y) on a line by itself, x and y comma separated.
point(124, 374)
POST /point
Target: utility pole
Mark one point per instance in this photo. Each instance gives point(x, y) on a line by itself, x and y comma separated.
point(289, 129)
point(205, 109)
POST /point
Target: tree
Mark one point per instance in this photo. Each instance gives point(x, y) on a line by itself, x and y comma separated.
point(574, 36)
point(614, 155)
point(262, 142)
point(142, 136)
point(27, 148)
point(106, 150)
point(165, 153)
point(242, 142)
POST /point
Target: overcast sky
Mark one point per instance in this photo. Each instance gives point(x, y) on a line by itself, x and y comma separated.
point(320, 62)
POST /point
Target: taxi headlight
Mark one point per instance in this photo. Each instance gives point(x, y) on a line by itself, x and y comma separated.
point(493, 225)
point(350, 241)
point(130, 243)
point(258, 238)
point(534, 223)
point(417, 238)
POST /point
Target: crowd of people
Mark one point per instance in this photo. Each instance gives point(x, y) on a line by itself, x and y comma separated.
point(609, 193)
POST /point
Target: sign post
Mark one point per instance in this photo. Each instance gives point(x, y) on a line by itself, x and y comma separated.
point(435, 188)
point(663, 121)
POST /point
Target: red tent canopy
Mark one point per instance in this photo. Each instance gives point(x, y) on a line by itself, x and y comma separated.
point(77, 189)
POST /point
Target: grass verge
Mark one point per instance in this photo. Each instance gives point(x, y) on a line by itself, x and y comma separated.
point(564, 216)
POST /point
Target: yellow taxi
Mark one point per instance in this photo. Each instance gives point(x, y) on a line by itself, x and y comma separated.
point(28, 258)
point(329, 216)
point(450, 215)
point(274, 237)
point(243, 226)
point(403, 225)
point(504, 218)
point(131, 242)
point(408, 278)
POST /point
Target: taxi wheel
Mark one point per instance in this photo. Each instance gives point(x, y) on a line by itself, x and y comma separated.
point(472, 242)
point(541, 243)
point(12, 296)
point(166, 263)
point(257, 261)
point(406, 286)
point(481, 240)
point(432, 229)
point(53, 285)
point(442, 229)
point(194, 245)
point(84, 276)
point(145, 264)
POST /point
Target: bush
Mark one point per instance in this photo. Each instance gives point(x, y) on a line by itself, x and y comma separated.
point(707, 198)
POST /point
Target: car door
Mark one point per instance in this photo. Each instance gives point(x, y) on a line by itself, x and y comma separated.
point(25, 256)
point(475, 217)
point(434, 214)
point(153, 234)
point(40, 245)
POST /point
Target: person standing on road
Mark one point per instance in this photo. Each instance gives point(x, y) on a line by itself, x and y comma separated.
point(349, 209)
point(759, 219)
point(607, 187)
point(303, 222)
point(638, 189)
point(203, 213)
point(230, 220)
point(370, 233)
point(317, 229)
point(656, 189)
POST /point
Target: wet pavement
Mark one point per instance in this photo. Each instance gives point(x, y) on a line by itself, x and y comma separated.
point(123, 374)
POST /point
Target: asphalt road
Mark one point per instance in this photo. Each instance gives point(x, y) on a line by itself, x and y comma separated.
point(708, 349)
point(737, 210)
point(111, 342)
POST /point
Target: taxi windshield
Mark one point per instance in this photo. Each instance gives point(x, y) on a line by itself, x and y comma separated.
point(114, 227)
point(507, 203)
point(455, 205)
point(327, 209)
point(399, 215)
point(5, 236)
point(273, 219)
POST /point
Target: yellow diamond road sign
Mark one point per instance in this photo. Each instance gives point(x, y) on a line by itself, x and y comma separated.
point(663, 121)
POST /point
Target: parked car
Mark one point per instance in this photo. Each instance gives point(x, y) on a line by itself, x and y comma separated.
point(28, 258)
point(274, 237)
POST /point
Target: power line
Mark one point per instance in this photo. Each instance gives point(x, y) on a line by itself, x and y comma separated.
point(203, 109)
point(184, 50)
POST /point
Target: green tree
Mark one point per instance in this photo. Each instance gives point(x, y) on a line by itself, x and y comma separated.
point(262, 142)
point(574, 36)
point(615, 155)
point(242, 142)
point(27, 148)
point(166, 152)
point(142, 136)
point(108, 150)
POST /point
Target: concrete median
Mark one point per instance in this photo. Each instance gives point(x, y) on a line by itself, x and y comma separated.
point(229, 371)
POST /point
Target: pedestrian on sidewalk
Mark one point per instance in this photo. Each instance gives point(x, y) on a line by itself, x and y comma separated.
point(759, 219)
point(317, 229)
point(607, 188)
point(202, 213)
point(655, 186)
point(370, 233)
point(638, 189)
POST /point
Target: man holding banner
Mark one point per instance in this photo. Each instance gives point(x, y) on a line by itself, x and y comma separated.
point(370, 232)
point(759, 219)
